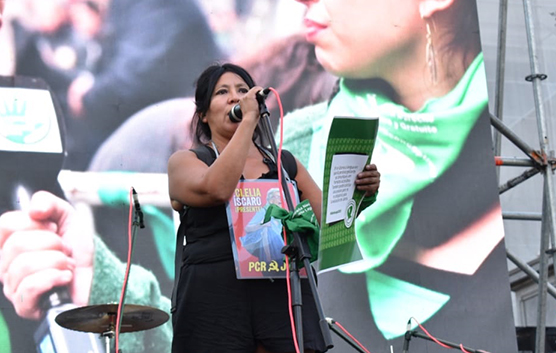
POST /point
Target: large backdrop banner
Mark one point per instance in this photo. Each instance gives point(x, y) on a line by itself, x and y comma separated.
point(97, 94)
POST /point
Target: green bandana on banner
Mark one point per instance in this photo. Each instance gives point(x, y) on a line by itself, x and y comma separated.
point(302, 220)
point(412, 150)
point(394, 301)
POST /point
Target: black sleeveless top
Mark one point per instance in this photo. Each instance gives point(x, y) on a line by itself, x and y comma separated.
point(206, 228)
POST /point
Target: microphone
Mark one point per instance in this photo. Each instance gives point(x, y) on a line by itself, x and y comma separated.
point(138, 207)
point(407, 337)
point(236, 115)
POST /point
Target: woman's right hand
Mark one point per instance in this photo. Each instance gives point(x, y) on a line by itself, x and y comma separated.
point(250, 105)
point(44, 247)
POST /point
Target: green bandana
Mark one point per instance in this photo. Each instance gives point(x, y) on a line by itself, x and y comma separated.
point(302, 220)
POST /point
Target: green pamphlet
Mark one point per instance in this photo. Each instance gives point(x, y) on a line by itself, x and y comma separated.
point(349, 148)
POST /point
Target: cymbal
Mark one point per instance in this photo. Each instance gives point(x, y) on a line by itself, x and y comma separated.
point(102, 318)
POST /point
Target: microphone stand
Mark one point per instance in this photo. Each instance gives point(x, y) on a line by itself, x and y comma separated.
point(343, 336)
point(414, 333)
point(297, 251)
point(137, 222)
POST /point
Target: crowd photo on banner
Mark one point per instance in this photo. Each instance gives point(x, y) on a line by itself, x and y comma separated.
point(123, 74)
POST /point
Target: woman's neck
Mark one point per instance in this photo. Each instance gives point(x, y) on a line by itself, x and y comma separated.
point(219, 143)
point(415, 88)
point(410, 77)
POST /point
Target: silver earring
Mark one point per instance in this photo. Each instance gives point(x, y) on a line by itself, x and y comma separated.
point(430, 55)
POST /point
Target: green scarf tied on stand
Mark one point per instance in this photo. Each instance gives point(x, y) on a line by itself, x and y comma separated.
point(302, 220)
point(412, 150)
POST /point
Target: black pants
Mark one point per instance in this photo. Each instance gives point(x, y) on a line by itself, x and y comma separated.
point(218, 313)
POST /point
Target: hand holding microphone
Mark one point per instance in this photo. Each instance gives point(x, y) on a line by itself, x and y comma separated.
point(236, 115)
point(46, 246)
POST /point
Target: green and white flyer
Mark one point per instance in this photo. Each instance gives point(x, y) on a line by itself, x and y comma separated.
point(349, 148)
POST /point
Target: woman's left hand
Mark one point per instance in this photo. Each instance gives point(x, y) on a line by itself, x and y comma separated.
point(368, 180)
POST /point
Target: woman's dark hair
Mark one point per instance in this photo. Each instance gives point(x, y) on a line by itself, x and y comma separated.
point(464, 29)
point(203, 96)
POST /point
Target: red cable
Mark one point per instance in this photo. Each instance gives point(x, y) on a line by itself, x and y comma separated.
point(351, 336)
point(435, 340)
point(428, 334)
point(126, 271)
point(279, 166)
point(462, 349)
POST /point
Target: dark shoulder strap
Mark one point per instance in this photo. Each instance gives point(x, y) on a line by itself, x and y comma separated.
point(205, 153)
point(288, 161)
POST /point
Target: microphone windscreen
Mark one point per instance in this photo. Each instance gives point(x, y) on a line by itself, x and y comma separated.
point(235, 114)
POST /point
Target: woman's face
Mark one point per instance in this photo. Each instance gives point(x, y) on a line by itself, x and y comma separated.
point(363, 38)
point(229, 88)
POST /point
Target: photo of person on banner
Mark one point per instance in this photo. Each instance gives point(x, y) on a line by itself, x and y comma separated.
point(265, 240)
point(418, 66)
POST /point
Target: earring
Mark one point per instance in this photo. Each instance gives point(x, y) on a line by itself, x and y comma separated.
point(430, 55)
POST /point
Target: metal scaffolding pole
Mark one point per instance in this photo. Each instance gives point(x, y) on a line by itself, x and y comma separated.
point(531, 272)
point(546, 151)
point(547, 229)
point(542, 161)
point(500, 71)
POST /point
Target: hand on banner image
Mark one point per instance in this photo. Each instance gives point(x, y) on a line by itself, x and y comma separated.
point(47, 245)
point(368, 180)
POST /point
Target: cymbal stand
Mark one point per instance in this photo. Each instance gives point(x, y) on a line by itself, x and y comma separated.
point(108, 335)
